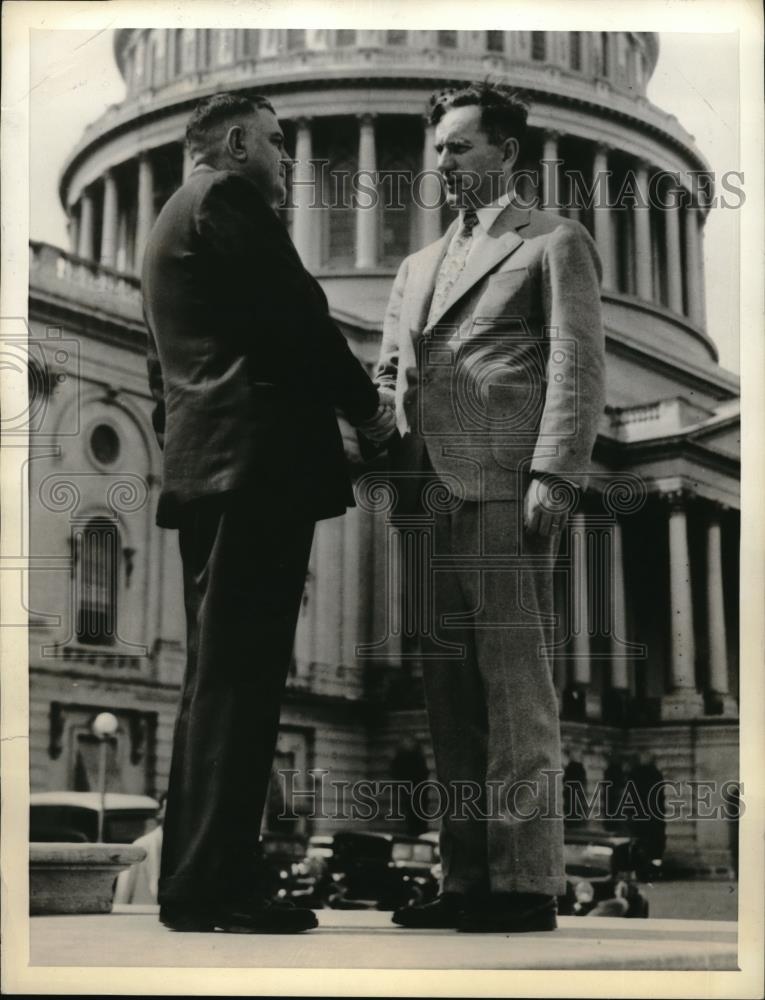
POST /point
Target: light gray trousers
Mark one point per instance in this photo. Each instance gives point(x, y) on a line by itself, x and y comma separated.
point(492, 710)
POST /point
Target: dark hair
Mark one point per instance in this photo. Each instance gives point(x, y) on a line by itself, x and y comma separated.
point(503, 111)
point(218, 108)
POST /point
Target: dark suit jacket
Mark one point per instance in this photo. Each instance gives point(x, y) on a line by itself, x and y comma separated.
point(245, 363)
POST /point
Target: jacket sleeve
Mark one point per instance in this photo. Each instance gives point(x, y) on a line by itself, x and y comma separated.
point(387, 365)
point(575, 392)
point(255, 256)
point(156, 385)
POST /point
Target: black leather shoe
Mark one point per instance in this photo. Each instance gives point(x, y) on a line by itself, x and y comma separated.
point(262, 917)
point(443, 911)
point(511, 913)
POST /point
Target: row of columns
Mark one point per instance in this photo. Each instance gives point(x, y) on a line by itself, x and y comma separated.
point(599, 605)
point(112, 228)
point(683, 251)
point(306, 221)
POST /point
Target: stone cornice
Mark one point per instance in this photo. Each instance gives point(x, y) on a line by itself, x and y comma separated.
point(721, 383)
point(543, 87)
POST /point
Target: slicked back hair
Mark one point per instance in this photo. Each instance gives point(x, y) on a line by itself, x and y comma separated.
point(503, 111)
point(217, 109)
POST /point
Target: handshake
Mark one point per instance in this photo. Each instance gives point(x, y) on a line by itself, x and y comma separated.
point(382, 425)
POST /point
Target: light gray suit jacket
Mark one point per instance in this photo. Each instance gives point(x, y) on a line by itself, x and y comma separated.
point(509, 377)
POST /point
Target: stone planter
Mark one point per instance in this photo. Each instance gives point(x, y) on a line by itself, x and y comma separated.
point(77, 878)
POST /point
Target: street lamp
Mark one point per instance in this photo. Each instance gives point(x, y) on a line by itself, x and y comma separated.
point(104, 725)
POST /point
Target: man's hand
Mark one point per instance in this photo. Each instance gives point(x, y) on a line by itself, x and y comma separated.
point(543, 512)
point(380, 427)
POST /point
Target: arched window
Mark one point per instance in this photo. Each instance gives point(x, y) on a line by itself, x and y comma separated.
point(345, 37)
point(250, 43)
point(342, 217)
point(575, 50)
point(395, 37)
point(399, 143)
point(605, 67)
point(495, 41)
point(225, 49)
point(538, 46)
point(139, 69)
point(447, 39)
point(639, 73)
point(295, 38)
point(158, 69)
point(188, 50)
point(96, 555)
point(177, 51)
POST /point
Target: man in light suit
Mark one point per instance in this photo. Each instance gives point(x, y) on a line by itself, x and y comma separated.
point(493, 351)
point(247, 368)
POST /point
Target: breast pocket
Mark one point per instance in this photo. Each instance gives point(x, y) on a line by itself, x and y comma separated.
point(507, 301)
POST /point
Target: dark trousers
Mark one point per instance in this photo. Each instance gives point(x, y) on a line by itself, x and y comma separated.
point(244, 568)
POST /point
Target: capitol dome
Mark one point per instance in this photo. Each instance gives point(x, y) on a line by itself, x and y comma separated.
point(355, 101)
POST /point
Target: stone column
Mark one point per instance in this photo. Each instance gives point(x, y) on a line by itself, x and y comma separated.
point(550, 173)
point(122, 243)
point(693, 282)
point(700, 264)
point(188, 163)
point(367, 214)
point(642, 215)
point(674, 257)
point(619, 662)
point(684, 700)
point(355, 578)
point(145, 206)
point(86, 236)
point(429, 190)
point(603, 222)
point(74, 229)
point(110, 221)
point(305, 219)
point(718, 645)
point(579, 601)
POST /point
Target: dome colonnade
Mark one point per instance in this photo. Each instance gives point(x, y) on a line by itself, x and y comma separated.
point(352, 101)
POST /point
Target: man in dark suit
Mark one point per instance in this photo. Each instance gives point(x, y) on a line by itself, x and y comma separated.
point(493, 351)
point(247, 369)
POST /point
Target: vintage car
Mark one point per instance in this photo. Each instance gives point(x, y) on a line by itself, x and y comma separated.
point(369, 870)
point(600, 876)
point(72, 817)
point(285, 871)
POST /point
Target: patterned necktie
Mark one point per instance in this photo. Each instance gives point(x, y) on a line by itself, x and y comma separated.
point(453, 264)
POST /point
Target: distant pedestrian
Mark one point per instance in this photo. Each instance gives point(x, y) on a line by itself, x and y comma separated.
point(139, 883)
point(649, 827)
point(410, 767)
point(615, 781)
point(732, 803)
point(574, 790)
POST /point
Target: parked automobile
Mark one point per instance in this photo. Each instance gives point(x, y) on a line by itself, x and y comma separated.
point(600, 876)
point(72, 817)
point(286, 874)
point(369, 870)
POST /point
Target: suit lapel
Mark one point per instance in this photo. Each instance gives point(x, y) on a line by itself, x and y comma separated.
point(502, 240)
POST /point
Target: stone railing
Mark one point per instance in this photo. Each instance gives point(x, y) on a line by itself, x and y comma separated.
point(55, 271)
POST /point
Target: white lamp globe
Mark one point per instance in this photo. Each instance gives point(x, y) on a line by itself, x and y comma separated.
point(105, 724)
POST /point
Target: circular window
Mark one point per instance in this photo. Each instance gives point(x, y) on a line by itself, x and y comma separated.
point(105, 444)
